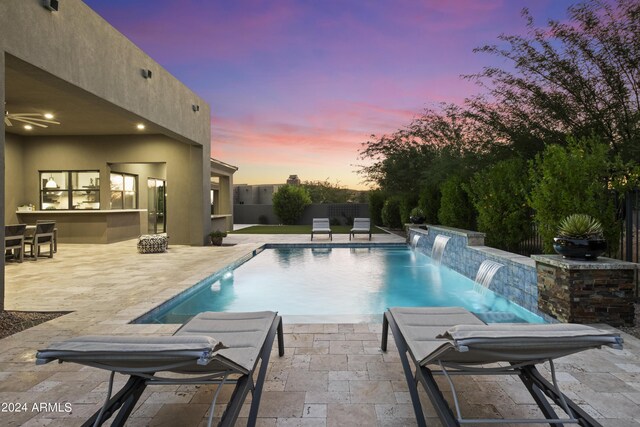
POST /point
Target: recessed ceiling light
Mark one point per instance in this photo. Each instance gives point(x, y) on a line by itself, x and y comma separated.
point(48, 116)
point(28, 127)
point(140, 126)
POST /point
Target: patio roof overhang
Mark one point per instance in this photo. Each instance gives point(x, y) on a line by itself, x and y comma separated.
point(33, 90)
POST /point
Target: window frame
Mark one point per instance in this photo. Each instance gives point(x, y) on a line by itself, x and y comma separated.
point(69, 190)
point(124, 191)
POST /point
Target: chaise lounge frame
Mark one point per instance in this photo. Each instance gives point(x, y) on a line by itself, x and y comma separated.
point(536, 384)
point(321, 226)
point(126, 398)
point(360, 226)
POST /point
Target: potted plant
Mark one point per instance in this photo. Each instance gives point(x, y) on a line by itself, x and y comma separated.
point(216, 237)
point(416, 216)
point(580, 236)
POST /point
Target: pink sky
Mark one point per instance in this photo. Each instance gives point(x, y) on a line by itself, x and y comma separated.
point(295, 86)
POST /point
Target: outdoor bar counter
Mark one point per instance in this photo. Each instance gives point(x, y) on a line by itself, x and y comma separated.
point(90, 225)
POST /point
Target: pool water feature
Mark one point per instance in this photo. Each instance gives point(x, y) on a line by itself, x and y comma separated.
point(437, 251)
point(486, 271)
point(336, 283)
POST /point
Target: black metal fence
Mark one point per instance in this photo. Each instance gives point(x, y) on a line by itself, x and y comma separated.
point(532, 244)
point(629, 248)
point(630, 233)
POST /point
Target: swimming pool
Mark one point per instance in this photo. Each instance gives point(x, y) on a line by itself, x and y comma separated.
point(341, 283)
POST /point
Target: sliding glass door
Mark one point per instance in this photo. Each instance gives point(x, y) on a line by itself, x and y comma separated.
point(157, 206)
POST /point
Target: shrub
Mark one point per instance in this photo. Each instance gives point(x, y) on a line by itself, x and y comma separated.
point(573, 179)
point(417, 212)
point(376, 202)
point(456, 209)
point(580, 226)
point(391, 213)
point(289, 203)
point(499, 195)
point(406, 204)
point(429, 201)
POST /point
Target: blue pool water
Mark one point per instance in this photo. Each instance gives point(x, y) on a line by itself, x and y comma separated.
point(337, 282)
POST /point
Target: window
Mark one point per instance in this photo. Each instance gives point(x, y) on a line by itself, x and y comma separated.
point(124, 194)
point(65, 190)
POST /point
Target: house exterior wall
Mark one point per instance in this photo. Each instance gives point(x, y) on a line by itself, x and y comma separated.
point(97, 152)
point(79, 47)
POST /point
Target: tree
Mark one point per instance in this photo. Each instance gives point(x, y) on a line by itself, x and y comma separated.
point(579, 77)
point(499, 194)
point(326, 192)
point(391, 213)
point(569, 180)
point(289, 203)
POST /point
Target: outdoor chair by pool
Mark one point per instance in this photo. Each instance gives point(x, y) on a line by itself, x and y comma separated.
point(451, 341)
point(14, 240)
point(212, 348)
point(42, 236)
point(361, 226)
point(321, 226)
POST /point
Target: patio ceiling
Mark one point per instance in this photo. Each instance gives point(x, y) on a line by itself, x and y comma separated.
point(31, 90)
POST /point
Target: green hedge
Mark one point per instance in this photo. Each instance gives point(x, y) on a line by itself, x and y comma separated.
point(573, 179)
point(499, 195)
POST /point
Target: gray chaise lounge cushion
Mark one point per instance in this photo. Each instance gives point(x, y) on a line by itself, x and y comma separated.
point(209, 342)
point(453, 334)
point(243, 334)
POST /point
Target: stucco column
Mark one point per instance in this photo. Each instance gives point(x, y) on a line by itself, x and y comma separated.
point(2, 179)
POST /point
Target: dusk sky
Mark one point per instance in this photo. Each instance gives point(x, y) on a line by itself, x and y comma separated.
point(295, 87)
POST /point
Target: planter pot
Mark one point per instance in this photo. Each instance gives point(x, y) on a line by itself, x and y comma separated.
point(417, 219)
point(579, 248)
point(216, 241)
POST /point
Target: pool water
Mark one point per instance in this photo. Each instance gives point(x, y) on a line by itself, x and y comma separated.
point(338, 283)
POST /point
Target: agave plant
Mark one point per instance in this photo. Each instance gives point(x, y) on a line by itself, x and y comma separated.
point(580, 226)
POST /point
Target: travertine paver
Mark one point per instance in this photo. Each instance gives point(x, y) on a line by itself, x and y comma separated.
point(333, 374)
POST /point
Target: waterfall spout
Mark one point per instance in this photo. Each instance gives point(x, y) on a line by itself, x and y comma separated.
point(485, 274)
point(438, 248)
point(415, 240)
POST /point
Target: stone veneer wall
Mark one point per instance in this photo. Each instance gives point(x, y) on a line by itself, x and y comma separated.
point(601, 291)
point(465, 251)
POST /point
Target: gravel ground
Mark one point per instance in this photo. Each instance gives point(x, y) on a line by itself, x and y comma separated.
point(634, 330)
point(12, 322)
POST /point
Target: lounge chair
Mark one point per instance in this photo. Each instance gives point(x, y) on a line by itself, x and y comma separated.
point(321, 226)
point(43, 236)
point(212, 348)
point(14, 240)
point(458, 343)
point(361, 226)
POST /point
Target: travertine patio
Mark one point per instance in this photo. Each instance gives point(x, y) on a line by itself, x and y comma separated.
point(332, 374)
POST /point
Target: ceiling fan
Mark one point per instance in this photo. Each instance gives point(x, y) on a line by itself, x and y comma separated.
point(35, 119)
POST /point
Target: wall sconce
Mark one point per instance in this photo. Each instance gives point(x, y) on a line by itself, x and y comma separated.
point(146, 73)
point(195, 108)
point(50, 5)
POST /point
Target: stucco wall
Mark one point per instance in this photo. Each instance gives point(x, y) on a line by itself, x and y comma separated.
point(76, 45)
point(249, 214)
point(14, 186)
point(79, 47)
point(93, 153)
